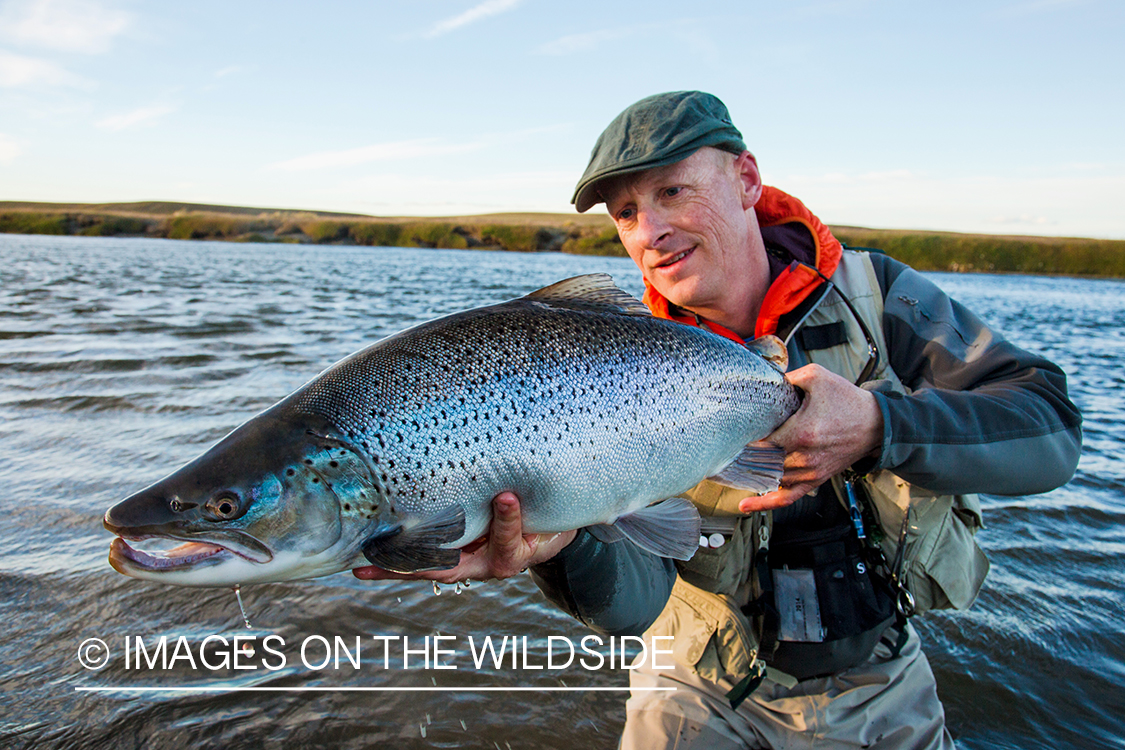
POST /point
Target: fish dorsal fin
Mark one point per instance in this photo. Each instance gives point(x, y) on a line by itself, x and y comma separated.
point(595, 291)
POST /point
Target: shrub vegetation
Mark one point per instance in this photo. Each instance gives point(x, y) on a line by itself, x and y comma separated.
point(586, 235)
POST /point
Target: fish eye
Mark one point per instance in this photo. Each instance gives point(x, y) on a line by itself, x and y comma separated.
point(224, 507)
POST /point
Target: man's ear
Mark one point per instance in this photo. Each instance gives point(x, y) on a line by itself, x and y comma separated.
point(746, 168)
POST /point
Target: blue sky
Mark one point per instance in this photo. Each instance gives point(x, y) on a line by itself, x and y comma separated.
point(1000, 116)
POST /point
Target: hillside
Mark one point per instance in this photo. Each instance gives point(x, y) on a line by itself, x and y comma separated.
point(591, 234)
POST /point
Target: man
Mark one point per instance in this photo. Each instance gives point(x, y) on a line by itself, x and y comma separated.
point(794, 629)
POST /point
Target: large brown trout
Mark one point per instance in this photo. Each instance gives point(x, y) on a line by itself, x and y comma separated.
point(574, 397)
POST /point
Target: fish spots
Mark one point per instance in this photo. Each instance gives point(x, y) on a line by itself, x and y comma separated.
point(451, 409)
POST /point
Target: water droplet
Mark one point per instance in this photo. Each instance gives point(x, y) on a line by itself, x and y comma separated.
point(463, 725)
point(457, 588)
point(422, 728)
point(428, 720)
point(437, 589)
point(237, 589)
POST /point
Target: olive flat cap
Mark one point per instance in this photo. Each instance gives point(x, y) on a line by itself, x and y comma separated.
point(657, 130)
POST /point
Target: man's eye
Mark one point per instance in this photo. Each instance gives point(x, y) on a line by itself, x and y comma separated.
point(625, 213)
point(672, 191)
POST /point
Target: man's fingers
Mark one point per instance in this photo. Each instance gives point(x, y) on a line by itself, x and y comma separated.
point(776, 499)
point(504, 552)
point(506, 532)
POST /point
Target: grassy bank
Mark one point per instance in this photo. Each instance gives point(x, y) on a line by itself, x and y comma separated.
point(950, 251)
point(530, 232)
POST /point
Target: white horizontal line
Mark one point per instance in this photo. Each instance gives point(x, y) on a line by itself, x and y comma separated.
point(225, 689)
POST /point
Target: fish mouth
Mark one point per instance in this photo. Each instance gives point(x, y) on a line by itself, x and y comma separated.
point(190, 554)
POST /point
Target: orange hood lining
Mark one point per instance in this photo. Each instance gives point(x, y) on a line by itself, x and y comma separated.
point(791, 287)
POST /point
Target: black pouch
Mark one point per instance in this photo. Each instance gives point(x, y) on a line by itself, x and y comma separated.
point(832, 606)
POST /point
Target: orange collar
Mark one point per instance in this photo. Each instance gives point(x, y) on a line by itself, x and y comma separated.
point(791, 286)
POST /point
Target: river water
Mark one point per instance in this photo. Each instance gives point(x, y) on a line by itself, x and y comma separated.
point(121, 359)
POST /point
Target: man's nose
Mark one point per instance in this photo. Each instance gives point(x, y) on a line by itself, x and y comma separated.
point(653, 226)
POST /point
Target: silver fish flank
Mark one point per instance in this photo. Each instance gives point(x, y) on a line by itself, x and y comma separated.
point(573, 397)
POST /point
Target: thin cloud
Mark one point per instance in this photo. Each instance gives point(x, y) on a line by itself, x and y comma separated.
point(1024, 220)
point(1036, 6)
point(20, 70)
point(224, 72)
point(569, 45)
point(63, 25)
point(840, 178)
point(139, 116)
point(9, 149)
point(476, 13)
point(376, 152)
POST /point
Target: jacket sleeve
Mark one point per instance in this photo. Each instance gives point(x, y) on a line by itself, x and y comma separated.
point(983, 415)
point(615, 589)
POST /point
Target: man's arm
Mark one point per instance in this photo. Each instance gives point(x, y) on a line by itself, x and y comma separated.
point(616, 589)
point(983, 415)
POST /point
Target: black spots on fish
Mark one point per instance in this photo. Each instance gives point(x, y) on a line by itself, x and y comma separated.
point(290, 472)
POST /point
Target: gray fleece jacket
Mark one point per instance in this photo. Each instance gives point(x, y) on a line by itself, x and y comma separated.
point(983, 416)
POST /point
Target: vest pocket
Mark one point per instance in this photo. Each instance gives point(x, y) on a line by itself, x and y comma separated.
point(948, 567)
point(945, 567)
point(709, 634)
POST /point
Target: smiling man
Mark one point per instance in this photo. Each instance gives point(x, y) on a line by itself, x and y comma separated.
point(791, 623)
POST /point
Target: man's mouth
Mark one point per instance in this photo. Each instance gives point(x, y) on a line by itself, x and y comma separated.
point(676, 258)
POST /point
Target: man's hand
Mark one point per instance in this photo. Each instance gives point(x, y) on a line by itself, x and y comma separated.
point(505, 552)
point(838, 424)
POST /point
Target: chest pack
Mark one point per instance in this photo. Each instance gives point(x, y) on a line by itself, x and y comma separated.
point(924, 540)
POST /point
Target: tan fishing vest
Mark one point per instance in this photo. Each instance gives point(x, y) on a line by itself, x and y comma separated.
point(943, 567)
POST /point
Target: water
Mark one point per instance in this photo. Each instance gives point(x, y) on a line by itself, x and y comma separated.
point(121, 359)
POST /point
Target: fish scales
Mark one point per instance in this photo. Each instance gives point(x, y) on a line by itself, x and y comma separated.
point(574, 397)
point(559, 406)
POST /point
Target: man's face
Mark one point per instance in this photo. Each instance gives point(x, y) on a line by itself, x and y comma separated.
point(689, 228)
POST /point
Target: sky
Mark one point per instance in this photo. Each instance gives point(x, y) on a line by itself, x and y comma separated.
point(997, 116)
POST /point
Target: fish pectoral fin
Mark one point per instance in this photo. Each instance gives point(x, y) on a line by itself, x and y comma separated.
point(668, 529)
point(757, 468)
point(416, 549)
point(594, 291)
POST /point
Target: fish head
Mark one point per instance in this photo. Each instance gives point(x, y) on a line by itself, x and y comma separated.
point(278, 499)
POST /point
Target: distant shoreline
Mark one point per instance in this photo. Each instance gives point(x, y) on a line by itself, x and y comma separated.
point(583, 234)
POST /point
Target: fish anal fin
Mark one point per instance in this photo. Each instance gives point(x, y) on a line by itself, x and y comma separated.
point(594, 291)
point(668, 529)
point(757, 468)
point(771, 349)
point(417, 548)
point(606, 533)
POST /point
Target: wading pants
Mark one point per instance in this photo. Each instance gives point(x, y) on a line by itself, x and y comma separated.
point(883, 703)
